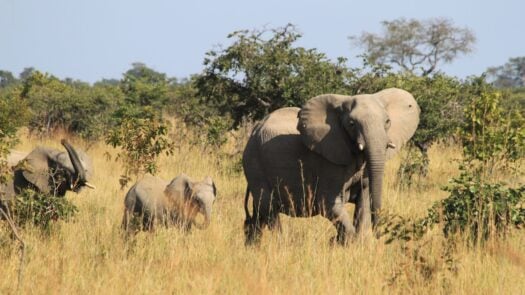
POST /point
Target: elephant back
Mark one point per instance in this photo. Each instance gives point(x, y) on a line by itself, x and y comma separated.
point(282, 121)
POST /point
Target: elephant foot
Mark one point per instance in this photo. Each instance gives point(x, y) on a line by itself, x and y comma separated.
point(341, 241)
point(252, 233)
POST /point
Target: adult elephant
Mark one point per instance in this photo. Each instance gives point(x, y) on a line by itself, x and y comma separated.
point(309, 161)
point(49, 170)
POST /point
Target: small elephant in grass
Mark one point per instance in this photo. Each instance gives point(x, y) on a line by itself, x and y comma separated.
point(153, 200)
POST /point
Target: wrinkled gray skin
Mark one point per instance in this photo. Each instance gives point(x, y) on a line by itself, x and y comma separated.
point(152, 201)
point(309, 161)
point(47, 170)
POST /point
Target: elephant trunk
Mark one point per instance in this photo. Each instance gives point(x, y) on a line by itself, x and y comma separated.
point(207, 215)
point(75, 160)
point(206, 211)
point(375, 159)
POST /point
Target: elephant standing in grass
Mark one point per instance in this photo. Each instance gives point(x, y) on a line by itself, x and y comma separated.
point(312, 160)
point(153, 200)
point(47, 170)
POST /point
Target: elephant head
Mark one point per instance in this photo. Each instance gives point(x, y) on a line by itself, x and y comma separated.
point(190, 198)
point(50, 170)
point(375, 126)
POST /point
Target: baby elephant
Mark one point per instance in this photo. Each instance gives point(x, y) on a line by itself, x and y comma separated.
point(153, 200)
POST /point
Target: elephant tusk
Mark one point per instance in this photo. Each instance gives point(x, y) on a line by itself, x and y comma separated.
point(361, 147)
point(391, 145)
point(89, 185)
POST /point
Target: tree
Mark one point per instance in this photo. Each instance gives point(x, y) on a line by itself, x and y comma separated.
point(6, 79)
point(510, 78)
point(509, 75)
point(71, 106)
point(26, 73)
point(143, 86)
point(263, 70)
point(416, 46)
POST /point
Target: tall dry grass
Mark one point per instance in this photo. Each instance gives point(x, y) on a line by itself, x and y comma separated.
point(89, 255)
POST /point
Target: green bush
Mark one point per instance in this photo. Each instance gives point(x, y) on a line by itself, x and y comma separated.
point(41, 209)
point(71, 106)
point(489, 133)
point(474, 209)
point(481, 210)
point(142, 139)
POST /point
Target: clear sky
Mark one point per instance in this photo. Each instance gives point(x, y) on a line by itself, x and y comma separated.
point(94, 39)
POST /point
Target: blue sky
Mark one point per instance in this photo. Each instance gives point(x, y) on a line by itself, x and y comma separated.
point(90, 40)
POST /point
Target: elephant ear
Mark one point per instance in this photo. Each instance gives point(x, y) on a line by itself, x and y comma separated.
point(321, 129)
point(36, 168)
point(403, 112)
point(209, 181)
point(180, 186)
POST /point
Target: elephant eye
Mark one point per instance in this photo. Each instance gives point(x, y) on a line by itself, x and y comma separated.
point(351, 122)
point(387, 123)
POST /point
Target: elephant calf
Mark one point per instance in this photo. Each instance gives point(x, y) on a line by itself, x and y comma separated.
point(153, 200)
point(46, 170)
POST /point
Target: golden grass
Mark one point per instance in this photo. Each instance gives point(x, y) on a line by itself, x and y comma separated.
point(89, 255)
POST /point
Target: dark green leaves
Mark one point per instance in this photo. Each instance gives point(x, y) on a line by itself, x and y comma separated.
point(264, 70)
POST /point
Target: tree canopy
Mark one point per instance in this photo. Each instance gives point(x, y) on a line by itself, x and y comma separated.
point(416, 46)
point(511, 74)
point(263, 70)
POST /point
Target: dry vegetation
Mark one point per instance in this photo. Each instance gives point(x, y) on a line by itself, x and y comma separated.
point(89, 255)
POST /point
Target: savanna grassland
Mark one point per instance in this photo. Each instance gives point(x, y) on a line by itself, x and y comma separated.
point(89, 254)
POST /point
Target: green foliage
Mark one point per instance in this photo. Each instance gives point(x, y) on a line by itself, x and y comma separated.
point(489, 134)
point(7, 79)
point(14, 113)
point(481, 210)
point(143, 86)
point(509, 75)
point(413, 166)
point(41, 209)
point(514, 98)
point(474, 209)
point(264, 70)
point(142, 140)
point(71, 106)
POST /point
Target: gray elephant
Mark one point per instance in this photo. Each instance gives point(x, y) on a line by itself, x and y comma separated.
point(14, 157)
point(153, 200)
point(48, 170)
point(312, 160)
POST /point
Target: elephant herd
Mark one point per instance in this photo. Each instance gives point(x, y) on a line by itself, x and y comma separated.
point(298, 161)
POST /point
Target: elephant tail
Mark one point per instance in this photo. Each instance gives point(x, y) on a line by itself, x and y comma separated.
point(246, 198)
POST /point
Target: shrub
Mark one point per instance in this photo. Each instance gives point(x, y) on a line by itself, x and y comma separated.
point(41, 209)
point(475, 209)
point(490, 134)
point(481, 210)
point(142, 139)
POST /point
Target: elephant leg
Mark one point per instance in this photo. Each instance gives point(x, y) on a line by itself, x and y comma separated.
point(261, 216)
point(148, 221)
point(125, 221)
point(338, 215)
point(274, 222)
point(362, 213)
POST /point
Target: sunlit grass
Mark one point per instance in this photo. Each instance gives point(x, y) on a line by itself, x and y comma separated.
point(89, 254)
